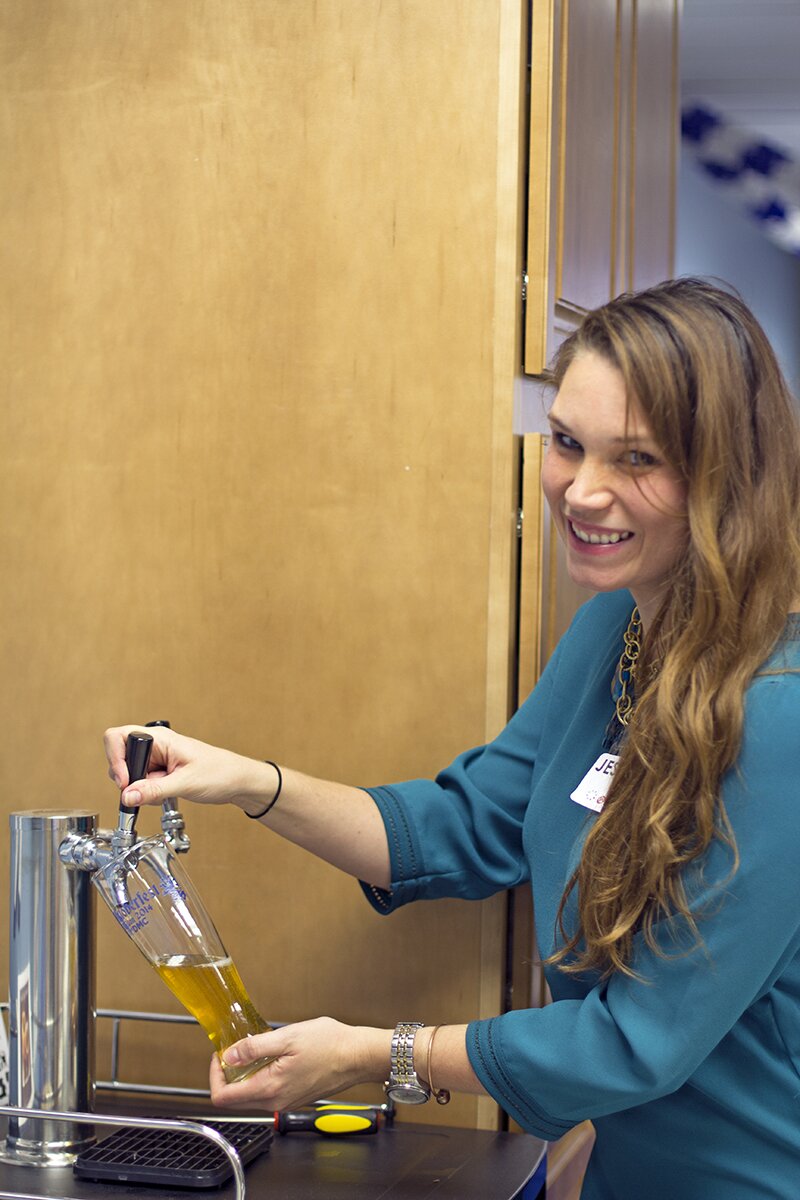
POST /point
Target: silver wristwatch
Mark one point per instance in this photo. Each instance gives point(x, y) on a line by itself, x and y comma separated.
point(403, 1084)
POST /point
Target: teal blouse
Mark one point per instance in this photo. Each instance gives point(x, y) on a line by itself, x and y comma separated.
point(691, 1075)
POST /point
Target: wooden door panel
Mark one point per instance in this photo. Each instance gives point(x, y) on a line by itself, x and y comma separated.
point(602, 159)
point(655, 140)
point(587, 201)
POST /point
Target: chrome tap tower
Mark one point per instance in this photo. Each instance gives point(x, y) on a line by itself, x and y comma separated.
point(51, 988)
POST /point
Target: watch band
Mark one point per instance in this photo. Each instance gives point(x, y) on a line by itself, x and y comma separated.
point(403, 1051)
point(404, 1084)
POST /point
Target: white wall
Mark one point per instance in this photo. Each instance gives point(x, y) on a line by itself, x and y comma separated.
point(715, 238)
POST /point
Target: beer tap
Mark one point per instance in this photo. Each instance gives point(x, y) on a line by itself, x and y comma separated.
point(123, 839)
point(115, 853)
point(137, 756)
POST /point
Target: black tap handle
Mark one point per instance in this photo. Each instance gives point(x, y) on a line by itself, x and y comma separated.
point(137, 756)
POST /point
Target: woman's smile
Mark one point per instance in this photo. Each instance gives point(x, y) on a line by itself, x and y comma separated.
point(595, 539)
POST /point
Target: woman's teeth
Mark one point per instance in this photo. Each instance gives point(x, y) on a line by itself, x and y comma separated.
point(599, 539)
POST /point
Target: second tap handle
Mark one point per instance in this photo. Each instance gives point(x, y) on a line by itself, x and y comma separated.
point(168, 805)
point(172, 822)
point(137, 756)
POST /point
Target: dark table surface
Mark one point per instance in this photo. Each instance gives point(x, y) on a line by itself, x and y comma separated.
point(402, 1161)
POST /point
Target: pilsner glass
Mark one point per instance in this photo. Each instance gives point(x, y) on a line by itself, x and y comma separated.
point(155, 902)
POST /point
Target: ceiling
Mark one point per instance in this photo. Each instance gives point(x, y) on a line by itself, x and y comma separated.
point(743, 58)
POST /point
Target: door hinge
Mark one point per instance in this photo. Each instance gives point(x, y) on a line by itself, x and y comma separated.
point(520, 519)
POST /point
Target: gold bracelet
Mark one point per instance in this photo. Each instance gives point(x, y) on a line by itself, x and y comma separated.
point(442, 1095)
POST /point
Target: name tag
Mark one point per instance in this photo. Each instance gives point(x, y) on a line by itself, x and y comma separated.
point(592, 790)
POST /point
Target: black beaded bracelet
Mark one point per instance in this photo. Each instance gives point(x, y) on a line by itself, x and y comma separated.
point(274, 800)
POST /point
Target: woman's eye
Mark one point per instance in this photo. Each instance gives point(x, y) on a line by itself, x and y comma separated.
point(639, 458)
point(565, 442)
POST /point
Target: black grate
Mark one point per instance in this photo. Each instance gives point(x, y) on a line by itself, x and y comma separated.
point(170, 1157)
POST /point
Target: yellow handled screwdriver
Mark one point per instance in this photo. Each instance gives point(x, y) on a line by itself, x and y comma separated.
point(333, 1119)
point(384, 1111)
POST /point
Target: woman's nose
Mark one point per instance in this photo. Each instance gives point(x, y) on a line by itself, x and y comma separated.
point(590, 486)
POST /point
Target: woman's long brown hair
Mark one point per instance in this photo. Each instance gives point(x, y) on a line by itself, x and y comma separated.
point(700, 367)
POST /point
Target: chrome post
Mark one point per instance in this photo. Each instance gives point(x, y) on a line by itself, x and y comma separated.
point(51, 990)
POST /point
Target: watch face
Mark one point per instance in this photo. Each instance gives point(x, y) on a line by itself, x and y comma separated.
point(407, 1093)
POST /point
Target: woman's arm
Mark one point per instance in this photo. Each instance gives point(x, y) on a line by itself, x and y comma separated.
point(315, 1059)
point(339, 824)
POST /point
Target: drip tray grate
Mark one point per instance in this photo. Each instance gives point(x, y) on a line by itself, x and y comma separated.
point(172, 1158)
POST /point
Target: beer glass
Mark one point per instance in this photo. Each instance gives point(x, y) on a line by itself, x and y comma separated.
point(155, 902)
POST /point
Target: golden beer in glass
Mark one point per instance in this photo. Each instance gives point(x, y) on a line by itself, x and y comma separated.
point(213, 992)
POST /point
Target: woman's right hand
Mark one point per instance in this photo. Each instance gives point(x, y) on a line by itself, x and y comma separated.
point(184, 767)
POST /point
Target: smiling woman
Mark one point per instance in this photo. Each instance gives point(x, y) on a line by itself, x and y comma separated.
point(619, 506)
point(673, 428)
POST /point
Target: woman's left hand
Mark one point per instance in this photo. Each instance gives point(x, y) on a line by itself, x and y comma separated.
point(311, 1061)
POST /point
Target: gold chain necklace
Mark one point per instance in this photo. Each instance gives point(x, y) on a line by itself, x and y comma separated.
point(626, 668)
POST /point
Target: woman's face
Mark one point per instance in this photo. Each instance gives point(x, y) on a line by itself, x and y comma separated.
point(620, 509)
